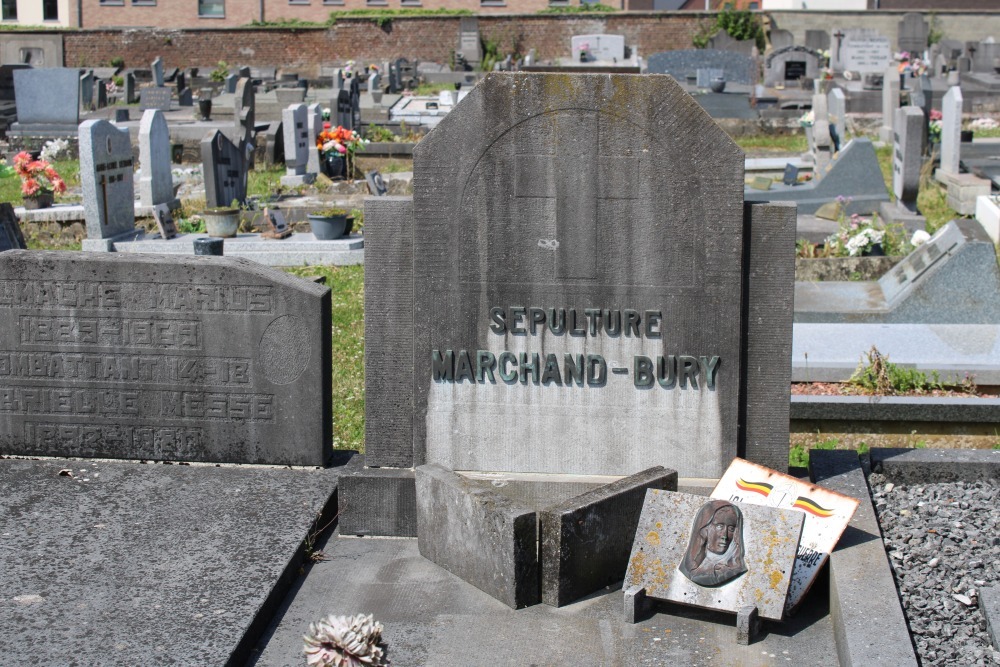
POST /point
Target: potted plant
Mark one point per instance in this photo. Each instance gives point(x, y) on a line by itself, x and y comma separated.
point(222, 222)
point(329, 224)
point(337, 146)
point(39, 181)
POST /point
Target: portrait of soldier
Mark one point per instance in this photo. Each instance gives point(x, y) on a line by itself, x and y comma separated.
point(715, 553)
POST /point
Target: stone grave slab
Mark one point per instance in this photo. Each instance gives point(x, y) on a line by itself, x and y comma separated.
point(177, 564)
point(479, 534)
point(584, 542)
point(106, 178)
point(684, 63)
point(677, 555)
point(592, 381)
point(155, 98)
point(951, 279)
point(141, 356)
point(11, 237)
point(854, 172)
point(224, 170)
point(866, 54)
point(156, 184)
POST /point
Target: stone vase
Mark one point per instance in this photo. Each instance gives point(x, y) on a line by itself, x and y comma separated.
point(40, 200)
point(221, 222)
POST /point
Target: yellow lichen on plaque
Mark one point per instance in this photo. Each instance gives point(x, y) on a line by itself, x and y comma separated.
point(653, 538)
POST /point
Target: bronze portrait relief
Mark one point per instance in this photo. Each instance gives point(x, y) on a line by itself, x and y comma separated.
point(715, 553)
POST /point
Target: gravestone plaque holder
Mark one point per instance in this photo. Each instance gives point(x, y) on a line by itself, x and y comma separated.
point(430, 298)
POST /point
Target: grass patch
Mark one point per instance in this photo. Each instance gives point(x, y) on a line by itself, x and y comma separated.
point(348, 323)
point(798, 455)
point(778, 143)
point(263, 182)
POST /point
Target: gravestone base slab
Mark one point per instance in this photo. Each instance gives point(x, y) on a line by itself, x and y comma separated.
point(183, 564)
point(295, 250)
point(963, 190)
point(894, 213)
point(108, 244)
point(296, 181)
point(75, 213)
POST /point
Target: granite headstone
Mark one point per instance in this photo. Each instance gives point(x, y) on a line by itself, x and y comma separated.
point(684, 63)
point(148, 357)
point(156, 185)
point(106, 178)
point(224, 169)
point(244, 112)
point(296, 128)
point(951, 130)
point(157, 68)
point(890, 103)
point(790, 64)
point(48, 96)
point(314, 123)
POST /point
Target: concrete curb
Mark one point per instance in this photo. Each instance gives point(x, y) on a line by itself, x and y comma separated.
point(936, 465)
point(862, 587)
point(896, 408)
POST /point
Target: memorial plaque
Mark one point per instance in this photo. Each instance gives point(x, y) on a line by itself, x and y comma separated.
point(795, 70)
point(791, 175)
point(376, 184)
point(11, 237)
point(714, 554)
point(278, 227)
point(867, 54)
point(164, 221)
point(826, 513)
point(147, 357)
point(154, 98)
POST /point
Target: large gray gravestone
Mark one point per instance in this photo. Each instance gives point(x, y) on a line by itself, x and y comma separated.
point(866, 54)
point(470, 44)
point(890, 103)
point(157, 69)
point(913, 33)
point(244, 112)
point(149, 357)
point(106, 178)
point(296, 128)
point(788, 65)
point(951, 130)
point(47, 96)
point(156, 184)
point(224, 170)
point(584, 256)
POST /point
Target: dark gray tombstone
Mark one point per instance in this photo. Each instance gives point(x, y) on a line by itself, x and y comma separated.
point(344, 110)
point(274, 144)
point(106, 179)
point(185, 98)
point(164, 221)
point(224, 170)
point(7, 81)
point(791, 175)
point(100, 93)
point(912, 34)
point(615, 312)
point(157, 68)
point(11, 237)
point(174, 358)
point(685, 63)
point(129, 93)
point(87, 91)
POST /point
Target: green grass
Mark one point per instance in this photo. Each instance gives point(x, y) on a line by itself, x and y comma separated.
point(784, 143)
point(798, 456)
point(264, 182)
point(347, 284)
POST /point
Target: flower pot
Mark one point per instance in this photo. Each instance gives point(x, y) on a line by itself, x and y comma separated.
point(328, 228)
point(875, 251)
point(966, 136)
point(205, 109)
point(717, 85)
point(334, 166)
point(222, 222)
point(40, 200)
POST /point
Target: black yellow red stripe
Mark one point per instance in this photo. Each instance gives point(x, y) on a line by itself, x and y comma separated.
point(811, 506)
point(763, 488)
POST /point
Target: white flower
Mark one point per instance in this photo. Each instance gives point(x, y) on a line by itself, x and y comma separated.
point(345, 641)
point(53, 149)
point(863, 240)
point(920, 237)
point(984, 124)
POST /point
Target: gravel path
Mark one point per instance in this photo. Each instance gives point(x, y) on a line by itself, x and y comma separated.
point(943, 541)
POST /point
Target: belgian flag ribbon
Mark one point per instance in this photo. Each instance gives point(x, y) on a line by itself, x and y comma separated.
point(811, 506)
point(763, 488)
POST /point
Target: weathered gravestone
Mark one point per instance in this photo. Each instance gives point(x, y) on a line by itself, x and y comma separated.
point(156, 184)
point(244, 112)
point(296, 128)
point(890, 103)
point(866, 54)
point(164, 221)
point(511, 309)
point(149, 357)
point(470, 45)
point(224, 170)
point(913, 33)
point(314, 124)
point(907, 159)
point(11, 237)
point(106, 178)
point(129, 93)
point(157, 69)
point(951, 131)
point(47, 99)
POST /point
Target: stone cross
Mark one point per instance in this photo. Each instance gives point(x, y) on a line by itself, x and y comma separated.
point(951, 130)
point(156, 185)
point(106, 177)
point(576, 181)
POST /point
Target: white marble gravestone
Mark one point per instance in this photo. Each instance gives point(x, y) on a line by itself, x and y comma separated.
point(156, 184)
point(951, 131)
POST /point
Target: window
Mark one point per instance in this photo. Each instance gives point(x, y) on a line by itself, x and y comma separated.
point(212, 8)
point(333, 2)
point(492, 3)
point(8, 10)
point(377, 3)
point(298, 2)
point(144, 3)
point(110, 3)
point(410, 3)
point(50, 10)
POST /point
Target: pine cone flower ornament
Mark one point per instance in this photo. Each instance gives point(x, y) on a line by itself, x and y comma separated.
point(345, 641)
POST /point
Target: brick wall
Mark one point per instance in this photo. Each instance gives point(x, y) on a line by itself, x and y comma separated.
point(433, 38)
